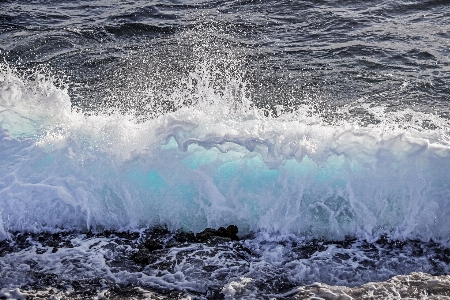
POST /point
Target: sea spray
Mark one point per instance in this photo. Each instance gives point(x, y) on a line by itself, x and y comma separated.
point(195, 168)
point(319, 128)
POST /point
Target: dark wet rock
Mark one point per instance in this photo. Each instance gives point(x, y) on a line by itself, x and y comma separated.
point(417, 248)
point(5, 247)
point(51, 240)
point(388, 243)
point(118, 292)
point(41, 250)
point(22, 240)
point(210, 268)
point(44, 240)
point(45, 279)
point(346, 243)
point(343, 256)
point(185, 237)
point(207, 234)
point(279, 285)
point(441, 255)
point(152, 245)
point(210, 234)
point(308, 248)
point(161, 238)
point(369, 247)
point(243, 251)
point(368, 263)
point(142, 256)
point(231, 232)
point(383, 240)
point(98, 288)
point(215, 294)
point(305, 251)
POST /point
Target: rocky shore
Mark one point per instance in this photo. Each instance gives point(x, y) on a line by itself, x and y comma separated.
point(212, 264)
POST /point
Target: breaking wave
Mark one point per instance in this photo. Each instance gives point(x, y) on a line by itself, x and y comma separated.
point(216, 160)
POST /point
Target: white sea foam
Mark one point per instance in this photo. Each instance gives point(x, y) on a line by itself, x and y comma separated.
point(214, 162)
point(253, 268)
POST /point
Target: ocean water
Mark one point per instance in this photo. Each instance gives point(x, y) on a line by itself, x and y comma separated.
point(320, 124)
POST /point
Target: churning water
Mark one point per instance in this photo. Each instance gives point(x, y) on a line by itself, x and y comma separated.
point(322, 123)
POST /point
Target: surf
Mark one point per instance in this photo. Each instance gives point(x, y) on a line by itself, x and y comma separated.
point(214, 162)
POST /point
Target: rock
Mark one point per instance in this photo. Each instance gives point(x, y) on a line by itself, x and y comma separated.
point(5, 247)
point(185, 237)
point(141, 257)
point(207, 234)
point(162, 240)
point(152, 245)
point(210, 234)
point(230, 232)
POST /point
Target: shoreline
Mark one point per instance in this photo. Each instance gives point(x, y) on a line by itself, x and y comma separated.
point(160, 264)
point(416, 285)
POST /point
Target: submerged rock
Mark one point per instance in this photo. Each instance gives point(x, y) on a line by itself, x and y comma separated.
point(160, 264)
point(141, 256)
point(162, 239)
point(152, 245)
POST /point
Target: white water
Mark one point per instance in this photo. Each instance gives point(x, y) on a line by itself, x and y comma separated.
point(214, 163)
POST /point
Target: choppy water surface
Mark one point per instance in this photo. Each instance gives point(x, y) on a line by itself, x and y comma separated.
point(319, 128)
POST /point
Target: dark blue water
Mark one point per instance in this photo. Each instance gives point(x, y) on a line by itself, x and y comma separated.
point(298, 121)
point(391, 53)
